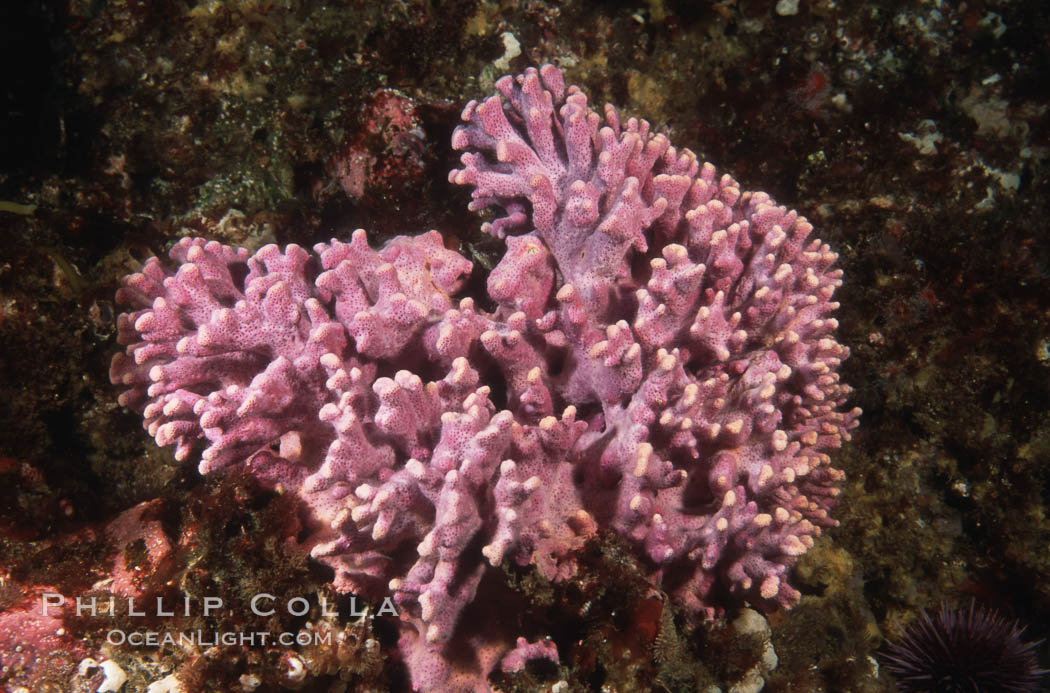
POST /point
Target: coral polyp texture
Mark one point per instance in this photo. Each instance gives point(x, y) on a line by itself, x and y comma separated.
point(661, 362)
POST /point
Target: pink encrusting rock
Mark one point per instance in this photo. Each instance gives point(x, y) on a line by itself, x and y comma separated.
point(661, 362)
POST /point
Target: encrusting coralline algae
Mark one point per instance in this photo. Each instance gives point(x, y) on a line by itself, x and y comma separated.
point(661, 362)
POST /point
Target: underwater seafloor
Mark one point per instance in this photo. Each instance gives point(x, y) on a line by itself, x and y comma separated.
point(914, 135)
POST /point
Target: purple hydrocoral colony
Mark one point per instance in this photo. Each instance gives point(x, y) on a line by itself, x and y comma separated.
point(661, 362)
point(710, 369)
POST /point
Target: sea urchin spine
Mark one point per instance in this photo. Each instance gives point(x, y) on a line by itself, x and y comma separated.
point(964, 651)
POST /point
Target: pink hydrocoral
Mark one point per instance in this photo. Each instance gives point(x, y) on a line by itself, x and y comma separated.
point(276, 366)
point(686, 402)
point(709, 372)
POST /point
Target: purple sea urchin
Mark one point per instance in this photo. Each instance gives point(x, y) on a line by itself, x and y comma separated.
point(957, 651)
